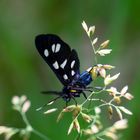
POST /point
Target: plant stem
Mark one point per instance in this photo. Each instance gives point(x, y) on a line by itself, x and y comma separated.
point(25, 119)
point(93, 50)
point(91, 95)
point(30, 128)
point(40, 134)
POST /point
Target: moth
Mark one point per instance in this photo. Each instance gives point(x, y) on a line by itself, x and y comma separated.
point(65, 64)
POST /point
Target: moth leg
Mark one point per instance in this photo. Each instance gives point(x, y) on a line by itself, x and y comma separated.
point(84, 95)
point(73, 98)
point(66, 103)
point(90, 88)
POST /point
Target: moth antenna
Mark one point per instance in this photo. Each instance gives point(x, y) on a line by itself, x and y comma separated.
point(42, 107)
point(49, 103)
point(51, 92)
point(53, 100)
point(89, 88)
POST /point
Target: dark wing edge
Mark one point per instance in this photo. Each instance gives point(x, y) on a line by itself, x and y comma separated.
point(45, 41)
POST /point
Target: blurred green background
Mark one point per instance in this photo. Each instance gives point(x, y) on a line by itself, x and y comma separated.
point(23, 71)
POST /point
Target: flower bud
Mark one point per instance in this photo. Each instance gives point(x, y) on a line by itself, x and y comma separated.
point(50, 111)
point(108, 67)
point(125, 110)
point(94, 41)
point(26, 106)
point(76, 111)
point(70, 128)
point(15, 100)
point(95, 128)
point(86, 117)
point(85, 26)
point(103, 52)
point(121, 124)
point(69, 108)
point(128, 96)
point(97, 110)
point(111, 135)
point(105, 44)
point(91, 30)
point(76, 125)
point(109, 79)
point(119, 113)
point(117, 99)
point(102, 72)
point(110, 110)
point(59, 116)
point(124, 90)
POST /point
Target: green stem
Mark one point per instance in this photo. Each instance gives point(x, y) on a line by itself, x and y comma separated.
point(100, 138)
point(25, 119)
point(40, 134)
point(93, 50)
point(30, 128)
point(91, 95)
point(102, 133)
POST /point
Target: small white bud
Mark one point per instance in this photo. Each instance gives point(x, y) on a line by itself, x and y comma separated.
point(124, 90)
point(85, 26)
point(128, 96)
point(109, 79)
point(105, 44)
point(15, 100)
point(125, 110)
point(121, 124)
point(91, 30)
point(26, 106)
point(70, 128)
point(94, 129)
point(23, 98)
point(97, 110)
point(104, 52)
point(50, 111)
point(119, 113)
point(94, 41)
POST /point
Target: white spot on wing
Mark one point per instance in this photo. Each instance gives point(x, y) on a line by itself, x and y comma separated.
point(53, 47)
point(72, 63)
point(46, 53)
point(63, 64)
point(72, 72)
point(57, 48)
point(65, 76)
point(55, 65)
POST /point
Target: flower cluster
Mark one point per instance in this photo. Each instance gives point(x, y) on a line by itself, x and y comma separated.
point(92, 113)
point(22, 105)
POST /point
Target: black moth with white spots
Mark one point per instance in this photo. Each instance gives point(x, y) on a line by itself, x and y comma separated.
point(65, 63)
